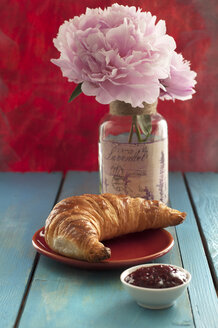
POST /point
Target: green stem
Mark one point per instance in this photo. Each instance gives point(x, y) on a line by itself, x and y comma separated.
point(144, 122)
point(148, 127)
point(145, 125)
point(131, 133)
point(138, 132)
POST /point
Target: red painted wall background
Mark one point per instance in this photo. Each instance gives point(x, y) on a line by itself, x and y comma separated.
point(41, 131)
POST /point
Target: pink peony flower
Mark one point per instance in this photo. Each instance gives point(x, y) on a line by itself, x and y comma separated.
point(118, 53)
point(181, 81)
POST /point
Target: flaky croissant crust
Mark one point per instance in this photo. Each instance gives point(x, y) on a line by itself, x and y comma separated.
point(77, 224)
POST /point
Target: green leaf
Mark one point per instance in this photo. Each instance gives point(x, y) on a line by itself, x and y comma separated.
point(75, 92)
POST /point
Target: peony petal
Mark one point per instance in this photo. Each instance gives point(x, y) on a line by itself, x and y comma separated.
point(122, 53)
point(181, 81)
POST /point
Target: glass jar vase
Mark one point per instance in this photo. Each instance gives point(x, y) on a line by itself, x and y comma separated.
point(133, 152)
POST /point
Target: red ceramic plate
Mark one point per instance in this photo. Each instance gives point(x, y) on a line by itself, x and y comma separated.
point(128, 250)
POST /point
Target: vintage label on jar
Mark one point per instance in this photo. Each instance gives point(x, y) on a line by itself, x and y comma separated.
point(138, 170)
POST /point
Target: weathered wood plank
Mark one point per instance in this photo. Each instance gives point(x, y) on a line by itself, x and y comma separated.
point(204, 192)
point(78, 183)
point(63, 296)
point(202, 292)
point(25, 200)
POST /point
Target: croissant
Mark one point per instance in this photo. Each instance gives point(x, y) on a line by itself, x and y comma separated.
point(77, 224)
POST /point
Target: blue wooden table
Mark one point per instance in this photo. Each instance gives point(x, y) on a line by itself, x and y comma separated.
point(36, 291)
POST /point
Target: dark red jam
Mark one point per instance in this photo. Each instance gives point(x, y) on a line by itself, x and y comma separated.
point(157, 276)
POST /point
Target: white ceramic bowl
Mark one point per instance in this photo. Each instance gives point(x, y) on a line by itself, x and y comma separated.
point(154, 298)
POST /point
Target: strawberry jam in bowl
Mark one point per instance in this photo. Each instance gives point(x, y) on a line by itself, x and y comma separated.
point(157, 276)
point(155, 286)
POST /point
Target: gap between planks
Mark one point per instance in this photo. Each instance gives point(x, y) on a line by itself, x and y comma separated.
point(204, 241)
point(179, 249)
point(35, 263)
